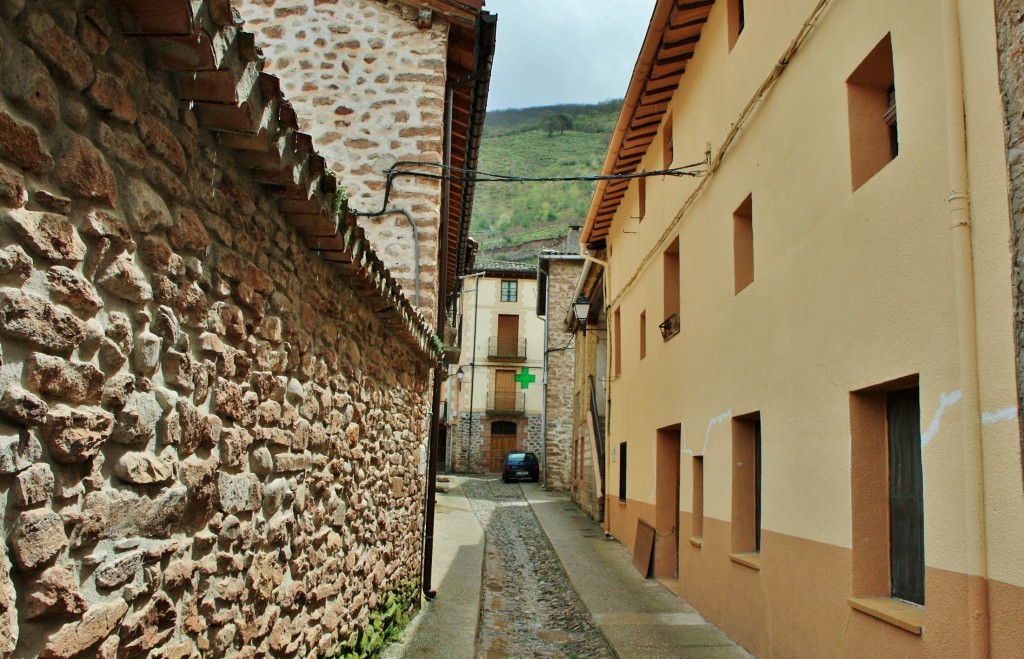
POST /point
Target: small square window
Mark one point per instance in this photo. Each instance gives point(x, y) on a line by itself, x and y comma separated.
point(737, 21)
point(643, 334)
point(871, 101)
point(641, 198)
point(667, 146)
point(509, 291)
point(743, 244)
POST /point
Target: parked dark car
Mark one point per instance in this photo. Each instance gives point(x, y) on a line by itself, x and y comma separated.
point(520, 465)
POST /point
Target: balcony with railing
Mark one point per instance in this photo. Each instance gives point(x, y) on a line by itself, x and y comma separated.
point(506, 349)
point(501, 402)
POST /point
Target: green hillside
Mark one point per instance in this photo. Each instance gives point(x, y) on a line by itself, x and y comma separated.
point(560, 140)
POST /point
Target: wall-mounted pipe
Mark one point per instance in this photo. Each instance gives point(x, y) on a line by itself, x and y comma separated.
point(967, 337)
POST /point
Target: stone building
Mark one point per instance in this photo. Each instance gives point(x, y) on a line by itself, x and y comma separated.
point(374, 82)
point(214, 397)
point(498, 400)
point(813, 431)
point(1010, 34)
point(557, 274)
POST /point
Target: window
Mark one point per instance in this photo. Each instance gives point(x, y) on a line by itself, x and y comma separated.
point(887, 478)
point(746, 483)
point(667, 147)
point(617, 338)
point(643, 334)
point(737, 21)
point(871, 104)
point(509, 291)
point(743, 244)
point(622, 472)
point(697, 529)
point(641, 198)
point(670, 289)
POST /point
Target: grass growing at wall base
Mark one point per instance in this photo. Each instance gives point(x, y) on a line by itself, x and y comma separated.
point(385, 626)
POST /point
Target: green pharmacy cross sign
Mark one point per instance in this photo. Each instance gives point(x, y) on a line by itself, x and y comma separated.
point(524, 378)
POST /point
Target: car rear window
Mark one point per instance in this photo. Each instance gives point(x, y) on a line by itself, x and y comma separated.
point(520, 458)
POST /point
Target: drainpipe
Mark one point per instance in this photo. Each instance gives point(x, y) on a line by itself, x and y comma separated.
point(442, 308)
point(967, 338)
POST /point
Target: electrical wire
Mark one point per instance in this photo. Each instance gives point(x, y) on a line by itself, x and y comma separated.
point(488, 177)
point(476, 176)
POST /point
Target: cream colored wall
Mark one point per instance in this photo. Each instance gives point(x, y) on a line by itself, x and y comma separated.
point(851, 289)
point(530, 327)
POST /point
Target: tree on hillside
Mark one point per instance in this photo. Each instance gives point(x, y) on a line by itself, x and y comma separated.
point(558, 123)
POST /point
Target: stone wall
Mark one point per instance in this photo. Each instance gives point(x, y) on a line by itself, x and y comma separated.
point(366, 82)
point(562, 278)
point(209, 444)
point(472, 440)
point(1010, 30)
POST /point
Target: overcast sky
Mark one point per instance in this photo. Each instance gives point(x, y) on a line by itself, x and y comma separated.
point(565, 51)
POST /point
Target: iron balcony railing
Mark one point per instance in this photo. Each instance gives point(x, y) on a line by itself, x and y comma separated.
point(508, 349)
point(506, 402)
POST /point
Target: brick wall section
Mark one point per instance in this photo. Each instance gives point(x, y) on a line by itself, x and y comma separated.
point(1010, 30)
point(209, 444)
point(365, 81)
point(562, 278)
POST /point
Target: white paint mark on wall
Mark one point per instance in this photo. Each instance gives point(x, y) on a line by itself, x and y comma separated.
point(682, 429)
point(945, 401)
point(724, 416)
point(1005, 414)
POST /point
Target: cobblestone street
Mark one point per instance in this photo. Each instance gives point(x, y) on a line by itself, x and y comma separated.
point(529, 608)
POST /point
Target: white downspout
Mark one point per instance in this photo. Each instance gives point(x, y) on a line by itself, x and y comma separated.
point(967, 338)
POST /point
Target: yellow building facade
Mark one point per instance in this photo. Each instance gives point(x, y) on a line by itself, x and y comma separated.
point(496, 405)
point(824, 435)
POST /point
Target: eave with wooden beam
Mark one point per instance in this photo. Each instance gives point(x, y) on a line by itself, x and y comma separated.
point(672, 37)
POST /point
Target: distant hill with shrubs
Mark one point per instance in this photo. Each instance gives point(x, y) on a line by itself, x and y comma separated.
point(516, 220)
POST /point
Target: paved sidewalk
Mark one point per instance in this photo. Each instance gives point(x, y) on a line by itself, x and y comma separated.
point(447, 626)
point(639, 617)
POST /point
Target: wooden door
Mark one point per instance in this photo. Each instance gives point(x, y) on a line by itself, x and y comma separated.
point(505, 390)
point(503, 440)
point(500, 446)
point(508, 335)
point(906, 496)
point(666, 503)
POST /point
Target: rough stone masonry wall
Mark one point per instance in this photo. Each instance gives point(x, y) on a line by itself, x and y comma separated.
point(366, 82)
point(562, 277)
point(209, 445)
point(1010, 32)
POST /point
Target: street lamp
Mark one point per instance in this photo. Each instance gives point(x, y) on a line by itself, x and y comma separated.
point(460, 374)
point(581, 307)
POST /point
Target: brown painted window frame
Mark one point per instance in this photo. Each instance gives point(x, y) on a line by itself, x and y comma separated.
point(743, 245)
point(871, 96)
point(737, 20)
point(871, 483)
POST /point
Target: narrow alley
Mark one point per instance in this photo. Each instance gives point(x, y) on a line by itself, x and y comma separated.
point(521, 572)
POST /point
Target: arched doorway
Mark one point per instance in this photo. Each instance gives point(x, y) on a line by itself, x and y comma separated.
point(503, 440)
